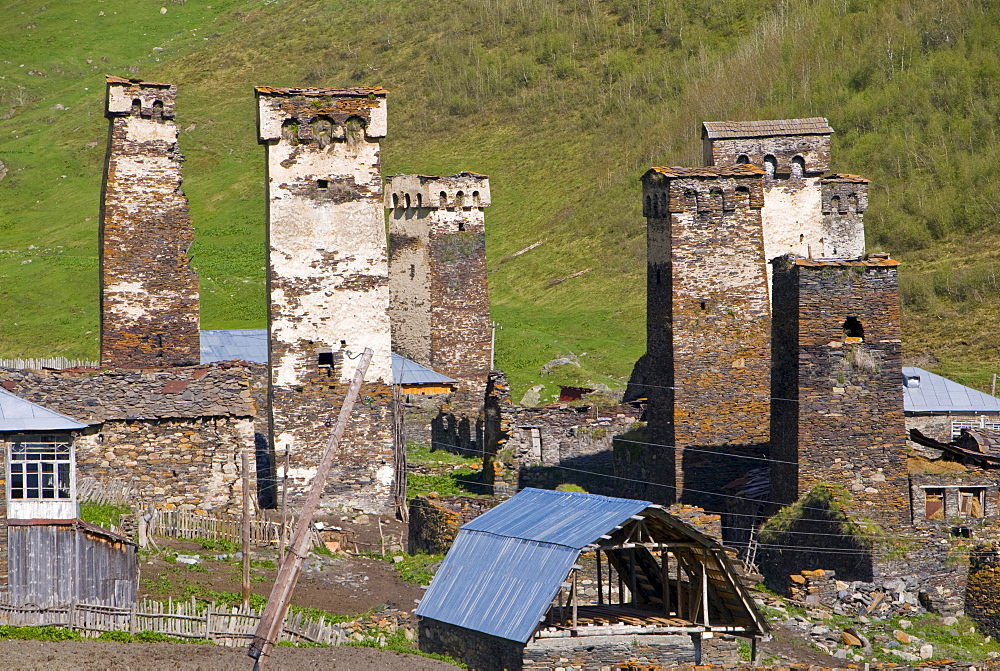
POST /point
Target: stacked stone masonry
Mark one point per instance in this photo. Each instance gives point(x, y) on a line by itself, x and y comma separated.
point(837, 350)
point(708, 321)
point(149, 292)
point(175, 436)
point(439, 300)
point(328, 284)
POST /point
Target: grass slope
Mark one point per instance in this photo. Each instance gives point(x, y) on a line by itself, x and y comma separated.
point(564, 104)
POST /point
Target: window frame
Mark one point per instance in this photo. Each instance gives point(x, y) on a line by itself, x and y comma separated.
point(39, 464)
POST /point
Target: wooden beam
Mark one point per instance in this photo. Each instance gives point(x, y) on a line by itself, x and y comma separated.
point(704, 585)
point(665, 580)
point(600, 585)
point(574, 600)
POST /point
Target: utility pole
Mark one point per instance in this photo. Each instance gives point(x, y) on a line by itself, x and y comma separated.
point(245, 530)
point(281, 592)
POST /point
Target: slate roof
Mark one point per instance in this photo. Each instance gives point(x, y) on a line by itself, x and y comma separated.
point(18, 414)
point(743, 129)
point(507, 565)
point(939, 395)
point(206, 391)
point(234, 344)
point(405, 371)
point(741, 170)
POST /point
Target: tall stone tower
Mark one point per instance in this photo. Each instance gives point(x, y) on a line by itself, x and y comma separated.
point(837, 412)
point(439, 300)
point(328, 283)
point(794, 154)
point(149, 292)
point(708, 324)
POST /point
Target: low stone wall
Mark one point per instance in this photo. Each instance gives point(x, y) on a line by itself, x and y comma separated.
point(478, 651)
point(434, 522)
point(615, 652)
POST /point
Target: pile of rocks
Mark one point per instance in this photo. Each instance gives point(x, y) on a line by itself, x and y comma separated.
point(379, 626)
point(905, 595)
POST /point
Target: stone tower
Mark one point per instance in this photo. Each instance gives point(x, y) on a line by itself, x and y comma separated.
point(708, 324)
point(439, 300)
point(837, 412)
point(328, 283)
point(794, 154)
point(149, 292)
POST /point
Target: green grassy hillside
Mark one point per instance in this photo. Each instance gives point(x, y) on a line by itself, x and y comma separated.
point(563, 103)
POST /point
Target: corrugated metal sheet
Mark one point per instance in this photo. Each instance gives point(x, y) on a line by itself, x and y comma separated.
point(768, 128)
point(564, 518)
point(933, 393)
point(234, 344)
point(497, 585)
point(506, 566)
point(17, 414)
point(405, 371)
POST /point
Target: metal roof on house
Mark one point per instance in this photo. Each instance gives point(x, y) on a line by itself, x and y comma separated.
point(930, 393)
point(405, 371)
point(230, 344)
point(18, 414)
point(776, 127)
point(506, 566)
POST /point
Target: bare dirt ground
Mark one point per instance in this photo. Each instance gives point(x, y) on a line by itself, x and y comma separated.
point(103, 655)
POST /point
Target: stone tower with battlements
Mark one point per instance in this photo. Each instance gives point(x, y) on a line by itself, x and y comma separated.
point(837, 412)
point(439, 300)
point(149, 292)
point(328, 283)
point(708, 325)
point(794, 154)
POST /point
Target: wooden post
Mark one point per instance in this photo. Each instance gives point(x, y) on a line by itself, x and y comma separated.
point(271, 619)
point(631, 566)
point(665, 580)
point(704, 585)
point(573, 588)
point(245, 529)
point(621, 588)
point(600, 584)
point(680, 590)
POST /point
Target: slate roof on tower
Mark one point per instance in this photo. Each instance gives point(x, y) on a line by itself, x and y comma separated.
point(776, 127)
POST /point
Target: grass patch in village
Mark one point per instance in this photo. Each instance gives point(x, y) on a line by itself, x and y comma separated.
point(426, 454)
point(460, 482)
point(418, 569)
point(103, 514)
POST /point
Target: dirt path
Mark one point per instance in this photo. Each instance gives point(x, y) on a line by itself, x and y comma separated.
point(102, 655)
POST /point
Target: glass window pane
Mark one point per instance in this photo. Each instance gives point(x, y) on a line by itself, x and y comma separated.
point(64, 481)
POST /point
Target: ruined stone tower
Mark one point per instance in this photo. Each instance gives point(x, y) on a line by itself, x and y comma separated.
point(708, 325)
point(439, 301)
point(837, 411)
point(149, 293)
point(794, 154)
point(328, 285)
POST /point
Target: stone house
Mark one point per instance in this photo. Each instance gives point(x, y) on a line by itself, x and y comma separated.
point(174, 435)
point(940, 408)
point(557, 579)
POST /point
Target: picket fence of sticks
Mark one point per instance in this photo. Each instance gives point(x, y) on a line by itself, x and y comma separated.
point(184, 524)
point(231, 626)
point(58, 362)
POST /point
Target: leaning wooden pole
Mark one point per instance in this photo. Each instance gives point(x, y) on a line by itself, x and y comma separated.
point(245, 529)
point(281, 593)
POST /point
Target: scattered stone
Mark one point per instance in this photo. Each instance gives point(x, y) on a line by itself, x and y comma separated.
point(905, 624)
point(949, 621)
point(533, 396)
point(902, 636)
point(397, 559)
point(188, 559)
point(850, 639)
point(926, 651)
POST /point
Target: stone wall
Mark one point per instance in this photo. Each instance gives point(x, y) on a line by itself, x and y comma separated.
point(328, 286)
point(174, 435)
point(478, 651)
point(434, 521)
point(614, 652)
point(149, 292)
point(708, 321)
point(439, 300)
point(836, 349)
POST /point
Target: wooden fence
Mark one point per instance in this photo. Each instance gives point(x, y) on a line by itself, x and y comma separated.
point(55, 362)
point(230, 626)
point(183, 524)
point(116, 492)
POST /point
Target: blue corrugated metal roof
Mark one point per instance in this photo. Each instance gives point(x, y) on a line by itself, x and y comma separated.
point(933, 393)
point(230, 344)
point(506, 566)
point(17, 414)
point(405, 371)
point(251, 345)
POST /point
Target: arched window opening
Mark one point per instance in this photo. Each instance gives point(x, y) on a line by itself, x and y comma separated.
point(853, 330)
point(770, 166)
point(459, 200)
point(798, 167)
point(290, 129)
point(136, 107)
point(802, 237)
point(406, 200)
point(354, 130)
point(443, 199)
point(475, 199)
point(742, 159)
point(395, 201)
point(742, 197)
point(703, 304)
point(420, 200)
point(322, 129)
point(835, 204)
point(852, 203)
point(461, 226)
point(158, 110)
